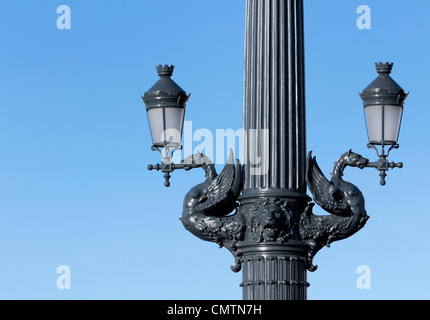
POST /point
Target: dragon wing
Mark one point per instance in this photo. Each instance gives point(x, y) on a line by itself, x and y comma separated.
point(325, 193)
point(221, 195)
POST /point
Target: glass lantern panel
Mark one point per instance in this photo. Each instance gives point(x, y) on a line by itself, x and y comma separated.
point(174, 125)
point(392, 120)
point(374, 121)
point(156, 123)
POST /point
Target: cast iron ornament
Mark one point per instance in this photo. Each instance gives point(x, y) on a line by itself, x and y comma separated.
point(207, 206)
point(343, 200)
point(272, 221)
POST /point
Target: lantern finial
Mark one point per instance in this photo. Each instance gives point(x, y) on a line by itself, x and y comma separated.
point(165, 71)
point(384, 68)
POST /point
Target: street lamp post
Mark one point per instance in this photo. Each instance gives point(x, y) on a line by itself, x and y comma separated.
point(273, 233)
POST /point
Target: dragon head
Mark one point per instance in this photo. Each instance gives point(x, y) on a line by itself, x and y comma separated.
point(355, 160)
point(202, 161)
point(197, 158)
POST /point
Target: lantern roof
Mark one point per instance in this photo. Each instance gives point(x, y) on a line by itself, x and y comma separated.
point(165, 92)
point(384, 90)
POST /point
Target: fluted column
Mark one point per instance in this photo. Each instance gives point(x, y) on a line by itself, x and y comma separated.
point(274, 188)
point(277, 274)
point(274, 98)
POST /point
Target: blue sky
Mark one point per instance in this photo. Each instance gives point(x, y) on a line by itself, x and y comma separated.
point(75, 144)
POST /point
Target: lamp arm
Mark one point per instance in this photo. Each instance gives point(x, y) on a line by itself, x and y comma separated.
point(168, 168)
point(383, 165)
point(390, 165)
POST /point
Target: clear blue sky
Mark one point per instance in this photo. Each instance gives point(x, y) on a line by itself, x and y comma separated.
point(74, 145)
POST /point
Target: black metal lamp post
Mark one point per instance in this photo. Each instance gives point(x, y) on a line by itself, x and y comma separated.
point(273, 233)
point(383, 102)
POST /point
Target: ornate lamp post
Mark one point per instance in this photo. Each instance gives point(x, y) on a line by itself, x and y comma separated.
point(273, 233)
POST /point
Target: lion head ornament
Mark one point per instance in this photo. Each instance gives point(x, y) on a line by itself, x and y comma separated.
point(270, 221)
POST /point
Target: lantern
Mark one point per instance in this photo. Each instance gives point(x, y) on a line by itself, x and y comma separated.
point(165, 104)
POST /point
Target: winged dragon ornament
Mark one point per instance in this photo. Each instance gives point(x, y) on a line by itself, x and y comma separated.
point(208, 206)
point(343, 200)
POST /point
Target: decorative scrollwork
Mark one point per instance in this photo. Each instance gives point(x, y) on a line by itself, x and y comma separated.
point(225, 231)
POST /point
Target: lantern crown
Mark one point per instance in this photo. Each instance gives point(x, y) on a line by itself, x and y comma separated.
point(384, 68)
point(165, 71)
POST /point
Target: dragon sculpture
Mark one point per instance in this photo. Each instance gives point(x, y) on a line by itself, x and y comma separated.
point(343, 200)
point(207, 206)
